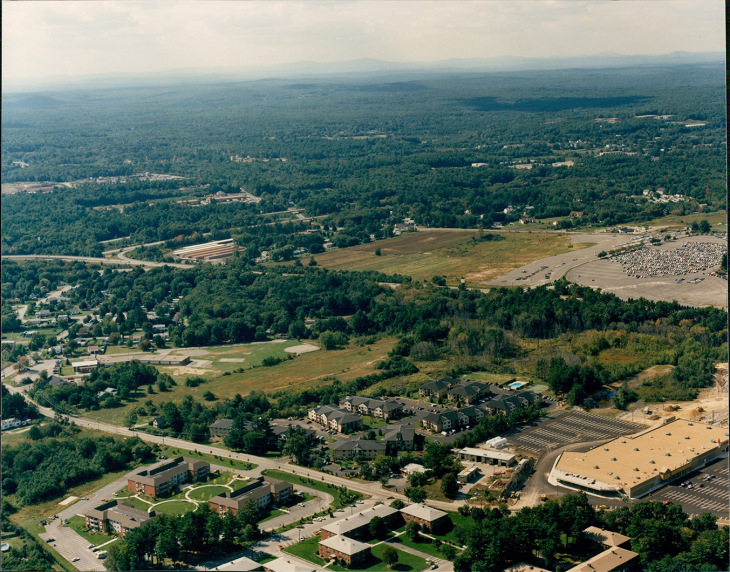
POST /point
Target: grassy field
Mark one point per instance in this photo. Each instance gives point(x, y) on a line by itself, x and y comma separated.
point(342, 499)
point(306, 370)
point(174, 508)
point(306, 549)
point(205, 493)
point(449, 253)
point(715, 219)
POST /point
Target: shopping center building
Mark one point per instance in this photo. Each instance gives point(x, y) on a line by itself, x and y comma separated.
point(636, 465)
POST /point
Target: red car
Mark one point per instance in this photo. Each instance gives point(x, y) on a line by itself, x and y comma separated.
point(281, 547)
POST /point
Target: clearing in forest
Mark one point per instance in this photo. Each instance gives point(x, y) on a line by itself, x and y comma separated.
point(454, 254)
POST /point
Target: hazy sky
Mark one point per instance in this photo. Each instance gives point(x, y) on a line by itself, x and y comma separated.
point(68, 38)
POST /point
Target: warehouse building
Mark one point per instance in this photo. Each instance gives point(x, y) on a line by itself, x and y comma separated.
point(634, 466)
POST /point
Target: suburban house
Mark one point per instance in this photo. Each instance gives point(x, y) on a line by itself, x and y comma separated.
point(159, 422)
point(467, 392)
point(430, 519)
point(357, 525)
point(411, 468)
point(400, 437)
point(379, 408)
point(163, 478)
point(262, 492)
point(352, 552)
point(220, 428)
point(336, 419)
point(116, 516)
point(510, 403)
point(436, 387)
point(55, 381)
point(353, 448)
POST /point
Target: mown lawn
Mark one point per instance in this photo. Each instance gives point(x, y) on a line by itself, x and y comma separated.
point(174, 508)
point(306, 549)
point(207, 492)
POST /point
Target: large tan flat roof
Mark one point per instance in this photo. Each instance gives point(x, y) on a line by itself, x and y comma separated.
point(625, 462)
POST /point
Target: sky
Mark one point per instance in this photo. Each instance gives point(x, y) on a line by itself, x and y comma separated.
point(72, 39)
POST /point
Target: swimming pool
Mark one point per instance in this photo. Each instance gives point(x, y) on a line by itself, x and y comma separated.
point(517, 384)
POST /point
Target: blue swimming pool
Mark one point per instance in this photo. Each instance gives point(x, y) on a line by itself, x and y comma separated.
point(517, 384)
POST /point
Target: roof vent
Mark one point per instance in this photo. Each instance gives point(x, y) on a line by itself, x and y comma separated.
point(613, 458)
point(686, 436)
point(595, 466)
point(623, 440)
point(668, 433)
point(636, 448)
point(651, 462)
point(668, 454)
point(617, 477)
point(605, 448)
point(690, 424)
point(636, 468)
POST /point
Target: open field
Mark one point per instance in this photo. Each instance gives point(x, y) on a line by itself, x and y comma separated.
point(716, 219)
point(449, 253)
point(609, 276)
point(303, 371)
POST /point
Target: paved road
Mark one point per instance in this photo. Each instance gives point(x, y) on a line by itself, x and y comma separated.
point(92, 260)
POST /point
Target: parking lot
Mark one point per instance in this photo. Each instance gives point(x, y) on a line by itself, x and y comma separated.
point(564, 427)
point(706, 495)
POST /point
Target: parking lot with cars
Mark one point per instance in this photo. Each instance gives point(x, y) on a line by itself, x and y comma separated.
point(705, 490)
point(565, 427)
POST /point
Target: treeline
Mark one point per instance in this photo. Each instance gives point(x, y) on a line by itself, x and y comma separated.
point(60, 459)
point(166, 541)
point(551, 536)
point(13, 405)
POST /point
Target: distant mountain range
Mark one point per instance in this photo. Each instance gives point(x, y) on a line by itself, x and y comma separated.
point(365, 66)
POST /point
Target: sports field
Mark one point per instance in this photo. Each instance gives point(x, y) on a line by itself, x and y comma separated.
point(451, 253)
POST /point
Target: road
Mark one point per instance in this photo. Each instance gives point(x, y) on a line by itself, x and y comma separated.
point(91, 260)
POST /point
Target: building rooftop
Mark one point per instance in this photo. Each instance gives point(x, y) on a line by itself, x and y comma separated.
point(424, 512)
point(345, 545)
point(499, 455)
point(349, 523)
point(606, 561)
point(606, 537)
point(627, 461)
point(289, 564)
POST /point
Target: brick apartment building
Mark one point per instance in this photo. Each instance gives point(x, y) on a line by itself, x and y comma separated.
point(163, 478)
point(430, 519)
point(352, 552)
point(116, 517)
point(262, 492)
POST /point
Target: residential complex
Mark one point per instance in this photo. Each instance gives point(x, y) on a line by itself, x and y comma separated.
point(116, 517)
point(336, 419)
point(352, 553)
point(260, 491)
point(430, 519)
point(387, 410)
point(163, 478)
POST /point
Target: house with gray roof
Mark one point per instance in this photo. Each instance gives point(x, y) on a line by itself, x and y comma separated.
point(354, 448)
point(336, 419)
point(400, 437)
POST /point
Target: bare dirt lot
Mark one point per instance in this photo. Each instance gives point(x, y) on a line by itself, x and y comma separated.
point(609, 276)
point(711, 406)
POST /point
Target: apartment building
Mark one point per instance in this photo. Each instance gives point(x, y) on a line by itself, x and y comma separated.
point(262, 492)
point(336, 419)
point(382, 409)
point(430, 519)
point(163, 478)
point(116, 517)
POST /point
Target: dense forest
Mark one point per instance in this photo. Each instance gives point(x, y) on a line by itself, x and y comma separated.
point(57, 459)
point(361, 154)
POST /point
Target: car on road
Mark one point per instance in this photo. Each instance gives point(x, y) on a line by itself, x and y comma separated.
point(281, 547)
point(75, 559)
point(84, 498)
point(49, 540)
